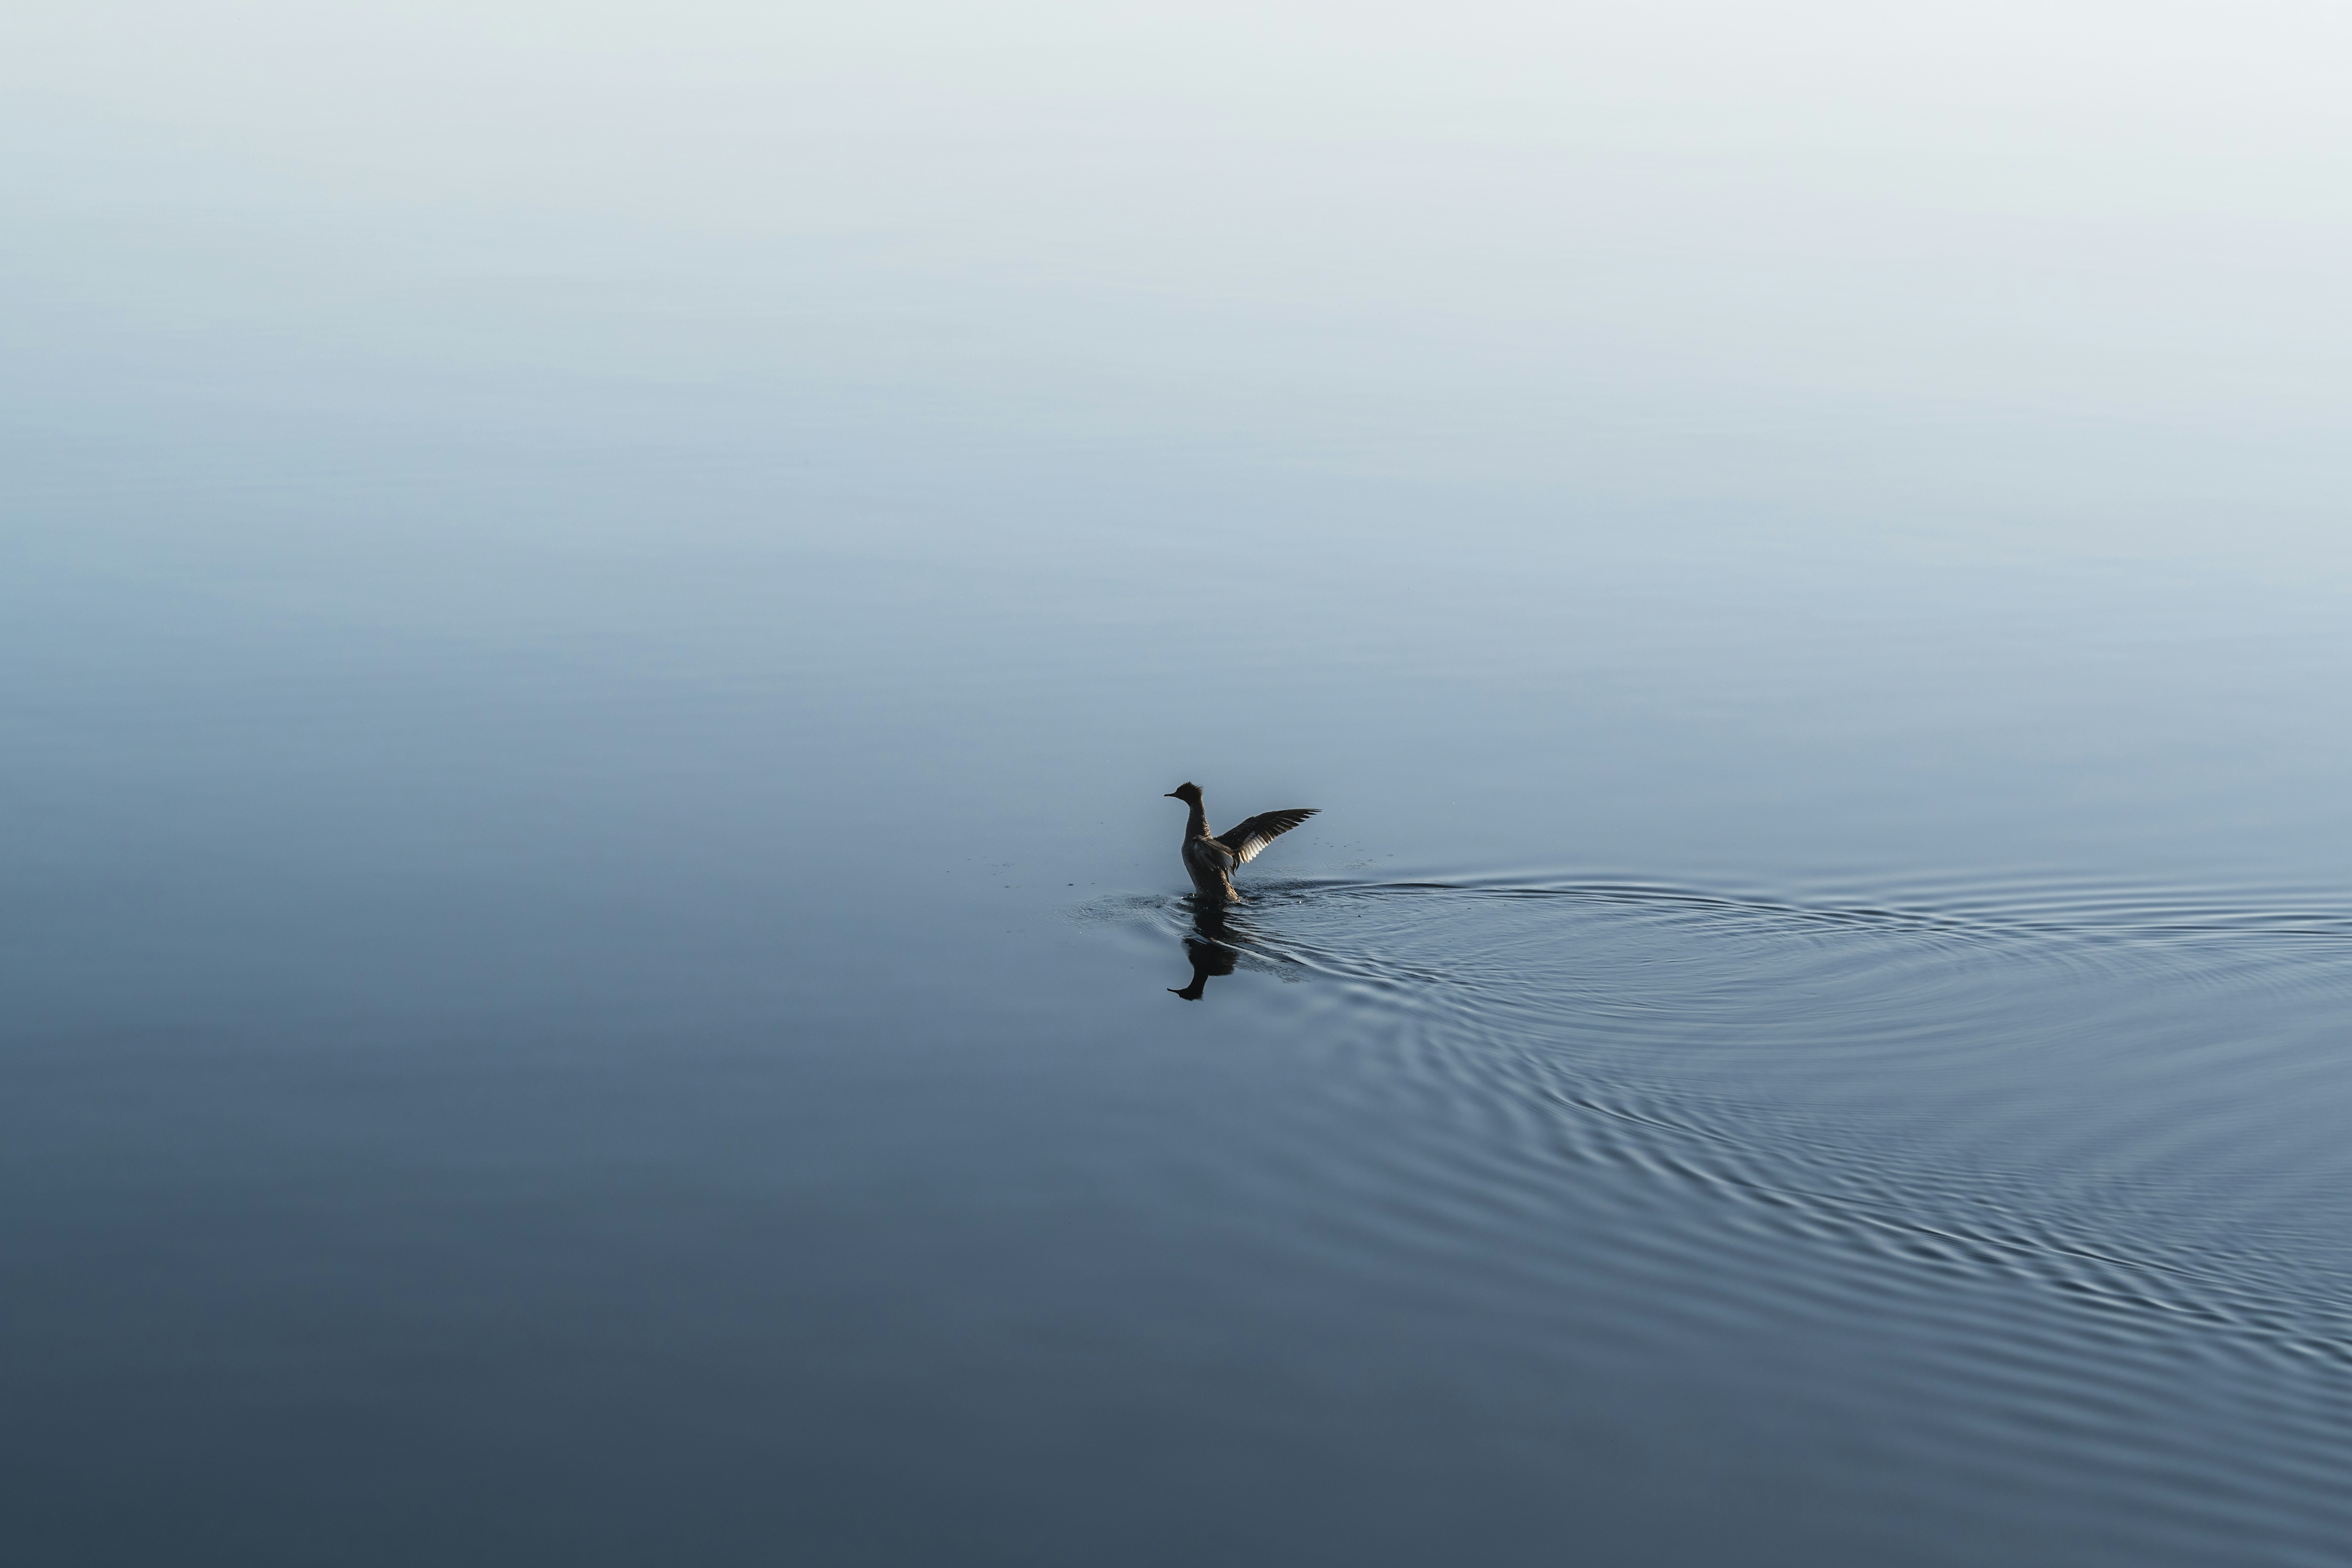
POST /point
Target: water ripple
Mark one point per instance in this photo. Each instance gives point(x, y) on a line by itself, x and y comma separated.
point(2074, 1147)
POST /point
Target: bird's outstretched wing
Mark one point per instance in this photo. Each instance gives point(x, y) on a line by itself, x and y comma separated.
point(1247, 839)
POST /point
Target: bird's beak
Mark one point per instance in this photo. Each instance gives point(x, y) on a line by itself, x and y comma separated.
point(1169, 796)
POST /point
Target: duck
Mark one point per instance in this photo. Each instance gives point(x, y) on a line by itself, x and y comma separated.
point(1210, 857)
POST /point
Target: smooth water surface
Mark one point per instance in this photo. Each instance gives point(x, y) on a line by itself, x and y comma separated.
point(596, 611)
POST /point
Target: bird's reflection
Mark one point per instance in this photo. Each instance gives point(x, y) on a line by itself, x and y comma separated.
point(1208, 950)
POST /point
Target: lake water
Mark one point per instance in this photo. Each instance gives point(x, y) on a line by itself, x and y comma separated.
point(596, 612)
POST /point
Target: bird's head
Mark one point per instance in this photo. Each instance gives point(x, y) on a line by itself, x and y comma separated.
point(1190, 793)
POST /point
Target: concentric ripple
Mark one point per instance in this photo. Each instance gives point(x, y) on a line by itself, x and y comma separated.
point(2070, 1160)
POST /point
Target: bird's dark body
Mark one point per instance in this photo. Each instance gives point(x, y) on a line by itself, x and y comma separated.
point(1210, 857)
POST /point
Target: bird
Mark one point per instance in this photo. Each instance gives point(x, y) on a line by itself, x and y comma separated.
point(1210, 857)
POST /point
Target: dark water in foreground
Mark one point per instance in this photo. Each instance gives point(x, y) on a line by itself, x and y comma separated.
point(663, 1046)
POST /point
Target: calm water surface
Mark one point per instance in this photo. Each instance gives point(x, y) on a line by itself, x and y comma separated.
point(594, 967)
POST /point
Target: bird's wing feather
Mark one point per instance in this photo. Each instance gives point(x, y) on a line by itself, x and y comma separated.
point(1211, 852)
point(1247, 839)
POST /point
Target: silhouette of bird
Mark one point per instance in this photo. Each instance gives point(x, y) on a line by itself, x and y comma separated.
point(1209, 958)
point(1210, 857)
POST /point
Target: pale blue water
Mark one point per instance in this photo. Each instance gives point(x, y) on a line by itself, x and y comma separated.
point(590, 921)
